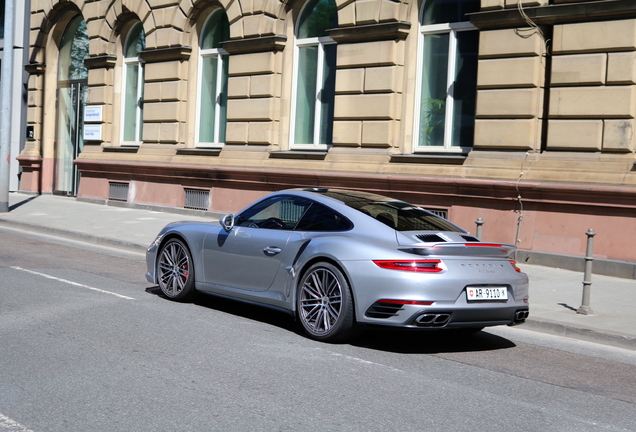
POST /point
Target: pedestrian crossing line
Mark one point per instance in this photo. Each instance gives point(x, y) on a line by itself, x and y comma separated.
point(72, 283)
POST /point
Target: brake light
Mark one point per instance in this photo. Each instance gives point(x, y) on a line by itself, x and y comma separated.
point(407, 302)
point(514, 265)
point(483, 244)
point(427, 266)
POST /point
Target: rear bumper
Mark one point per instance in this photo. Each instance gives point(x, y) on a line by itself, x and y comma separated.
point(436, 300)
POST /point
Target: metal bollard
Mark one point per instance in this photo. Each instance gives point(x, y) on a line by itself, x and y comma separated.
point(479, 223)
point(585, 308)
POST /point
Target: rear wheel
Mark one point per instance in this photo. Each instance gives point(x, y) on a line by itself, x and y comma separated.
point(175, 272)
point(324, 303)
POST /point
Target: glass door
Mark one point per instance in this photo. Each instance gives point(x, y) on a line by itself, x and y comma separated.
point(71, 99)
point(72, 94)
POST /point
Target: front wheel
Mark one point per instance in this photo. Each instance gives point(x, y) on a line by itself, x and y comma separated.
point(175, 272)
point(324, 303)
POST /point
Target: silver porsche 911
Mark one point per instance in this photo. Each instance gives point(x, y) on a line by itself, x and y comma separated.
point(336, 259)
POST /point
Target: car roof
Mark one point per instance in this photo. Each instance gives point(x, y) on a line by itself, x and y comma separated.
point(347, 196)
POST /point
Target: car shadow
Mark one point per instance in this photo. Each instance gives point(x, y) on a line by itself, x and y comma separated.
point(250, 311)
point(429, 341)
point(396, 341)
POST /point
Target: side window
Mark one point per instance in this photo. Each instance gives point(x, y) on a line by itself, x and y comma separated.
point(280, 212)
point(322, 218)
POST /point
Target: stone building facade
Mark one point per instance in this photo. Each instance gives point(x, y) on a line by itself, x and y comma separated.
point(518, 112)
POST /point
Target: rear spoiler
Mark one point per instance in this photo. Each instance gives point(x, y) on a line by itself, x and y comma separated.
point(473, 249)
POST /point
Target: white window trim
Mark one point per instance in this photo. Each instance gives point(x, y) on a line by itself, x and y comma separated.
point(138, 120)
point(452, 29)
point(321, 42)
point(219, 53)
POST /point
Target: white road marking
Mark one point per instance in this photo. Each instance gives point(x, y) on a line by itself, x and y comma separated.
point(73, 283)
point(365, 362)
point(11, 425)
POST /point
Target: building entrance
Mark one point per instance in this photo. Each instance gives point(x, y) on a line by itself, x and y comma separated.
point(72, 94)
point(69, 143)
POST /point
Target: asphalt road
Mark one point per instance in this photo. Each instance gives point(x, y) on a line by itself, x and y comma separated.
point(87, 345)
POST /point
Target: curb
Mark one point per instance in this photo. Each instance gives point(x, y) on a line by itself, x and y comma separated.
point(581, 333)
point(75, 236)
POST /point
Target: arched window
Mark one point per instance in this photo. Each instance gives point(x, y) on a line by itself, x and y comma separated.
point(445, 113)
point(213, 68)
point(133, 79)
point(315, 75)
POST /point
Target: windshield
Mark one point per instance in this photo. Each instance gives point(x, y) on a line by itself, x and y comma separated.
point(396, 214)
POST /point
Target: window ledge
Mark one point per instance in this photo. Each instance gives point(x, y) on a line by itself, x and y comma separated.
point(199, 151)
point(299, 154)
point(121, 149)
point(448, 158)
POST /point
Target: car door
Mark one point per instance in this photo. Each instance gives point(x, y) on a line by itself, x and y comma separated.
point(249, 256)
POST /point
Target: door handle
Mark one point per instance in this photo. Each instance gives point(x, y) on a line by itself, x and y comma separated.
point(272, 250)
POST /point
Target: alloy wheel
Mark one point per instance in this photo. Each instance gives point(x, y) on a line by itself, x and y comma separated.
point(174, 270)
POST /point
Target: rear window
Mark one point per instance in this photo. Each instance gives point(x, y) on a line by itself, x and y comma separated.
point(405, 217)
point(396, 214)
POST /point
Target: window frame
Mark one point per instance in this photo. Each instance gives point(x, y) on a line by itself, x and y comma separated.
point(221, 86)
point(452, 29)
point(321, 42)
point(246, 217)
point(130, 61)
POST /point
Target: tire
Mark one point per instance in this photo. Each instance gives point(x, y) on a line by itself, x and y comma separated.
point(324, 303)
point(175, 272)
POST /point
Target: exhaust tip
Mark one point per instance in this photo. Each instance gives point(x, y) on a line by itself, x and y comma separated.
point(432, 319)
point(521, 315)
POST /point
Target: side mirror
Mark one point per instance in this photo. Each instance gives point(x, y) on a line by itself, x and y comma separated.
point(227, 222)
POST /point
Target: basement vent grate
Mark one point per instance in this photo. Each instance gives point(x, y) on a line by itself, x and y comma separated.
point(117, 191)
point(197, 199)
point(440, 213)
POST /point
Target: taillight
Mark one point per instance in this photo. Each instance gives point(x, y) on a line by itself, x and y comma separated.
point(407, 302)
point(427, 266)
point(514, 265)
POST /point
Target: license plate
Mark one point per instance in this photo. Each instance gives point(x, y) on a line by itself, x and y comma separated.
point(486, 293)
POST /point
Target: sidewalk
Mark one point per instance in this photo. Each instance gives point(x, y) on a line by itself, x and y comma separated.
point(555, 294)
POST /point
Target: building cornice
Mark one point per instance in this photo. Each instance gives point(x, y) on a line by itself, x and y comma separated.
point(371, 32)
point(35, 68)
point(271, 43)
point(101, 62)
point(605, 198)
point(178, 53)
point(555, 14)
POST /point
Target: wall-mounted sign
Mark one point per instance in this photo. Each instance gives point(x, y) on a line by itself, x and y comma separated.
point(92, 132)
point(93, 113)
